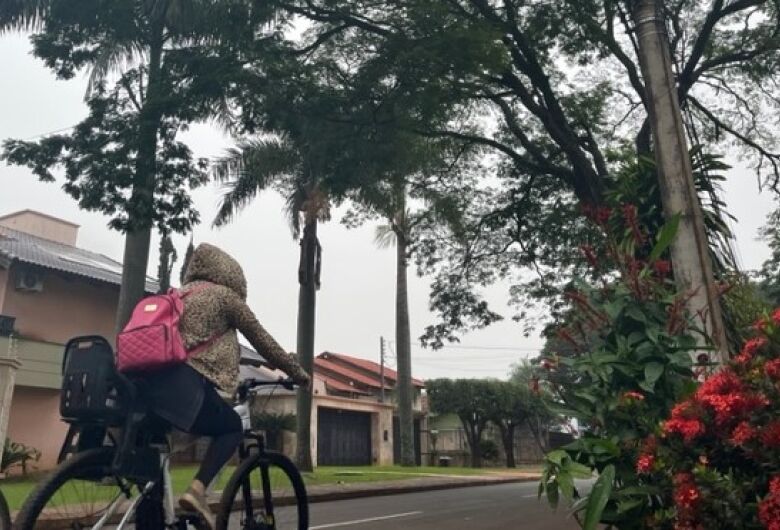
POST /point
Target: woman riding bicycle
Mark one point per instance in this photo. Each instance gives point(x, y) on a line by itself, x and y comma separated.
point(192, 396)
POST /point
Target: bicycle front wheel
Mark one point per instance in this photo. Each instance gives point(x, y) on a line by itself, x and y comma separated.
point(81, 492)
point(266, 492)
point(5, 514)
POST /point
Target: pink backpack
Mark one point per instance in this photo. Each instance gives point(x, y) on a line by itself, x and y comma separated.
point(151, 339)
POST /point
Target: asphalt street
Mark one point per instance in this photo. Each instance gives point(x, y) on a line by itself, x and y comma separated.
point(506, 506)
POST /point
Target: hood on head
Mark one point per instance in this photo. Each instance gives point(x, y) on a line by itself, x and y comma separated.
point(211, 264)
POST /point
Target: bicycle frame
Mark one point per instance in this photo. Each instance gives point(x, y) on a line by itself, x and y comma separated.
point(169, 505)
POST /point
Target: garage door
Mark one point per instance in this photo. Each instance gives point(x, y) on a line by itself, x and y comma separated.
point(343, 437)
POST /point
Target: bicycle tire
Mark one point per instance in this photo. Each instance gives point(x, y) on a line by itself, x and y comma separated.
point(90, 463)
point(5, 514)
point(242, 476)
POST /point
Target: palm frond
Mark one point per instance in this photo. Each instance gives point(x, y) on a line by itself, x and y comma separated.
point(293, 207)
point(112, 57)
point(384, 236)
point(248, 169)
point(23, 15)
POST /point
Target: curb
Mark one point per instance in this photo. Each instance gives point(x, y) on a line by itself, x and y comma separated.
point(385, 491)
point(327, 496)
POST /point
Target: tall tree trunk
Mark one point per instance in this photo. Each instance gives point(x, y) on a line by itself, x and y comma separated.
point(307, 304)
point(689, 250)
point(139, 234)
point(403, 340)
point(474, 436)
point(508, 439)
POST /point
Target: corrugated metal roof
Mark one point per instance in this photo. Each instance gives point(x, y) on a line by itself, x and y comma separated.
point(26, 248)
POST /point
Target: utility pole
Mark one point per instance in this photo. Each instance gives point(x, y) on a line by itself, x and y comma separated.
point(382, 369)
point(689, 249)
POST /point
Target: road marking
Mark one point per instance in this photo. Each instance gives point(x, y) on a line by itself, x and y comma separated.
point(534, 496)
point(369, 520)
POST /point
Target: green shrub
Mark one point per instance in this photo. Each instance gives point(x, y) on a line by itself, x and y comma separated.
point(16, 454)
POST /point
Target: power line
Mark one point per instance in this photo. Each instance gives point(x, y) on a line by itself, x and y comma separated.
point(48, 133)
point(464, 347)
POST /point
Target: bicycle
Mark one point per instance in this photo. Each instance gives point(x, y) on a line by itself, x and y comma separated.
point(127, 476)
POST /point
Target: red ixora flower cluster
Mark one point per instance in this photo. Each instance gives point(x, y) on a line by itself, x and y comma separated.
point(742, 434)
point(645, 464)
point(729, 429)
point(686, 499)
point(750, 349)
point(685, 422)
point(769, 508)
point(728, 398)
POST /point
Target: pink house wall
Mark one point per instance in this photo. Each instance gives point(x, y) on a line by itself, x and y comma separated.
point(42, 225)
point(64, 309)
point(35, 422)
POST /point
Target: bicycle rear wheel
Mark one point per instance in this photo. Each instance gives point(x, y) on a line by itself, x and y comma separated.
point(80, 492)
point(266, 492)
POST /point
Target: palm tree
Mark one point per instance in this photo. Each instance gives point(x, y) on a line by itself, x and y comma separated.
point(397, 232)
point(258, 165)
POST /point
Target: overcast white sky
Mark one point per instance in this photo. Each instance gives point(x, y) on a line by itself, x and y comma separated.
point(355, 305)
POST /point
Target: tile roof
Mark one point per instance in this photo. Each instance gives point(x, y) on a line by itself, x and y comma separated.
point(369, 366)
point(334, 384)
point(26, 248)
point(342, 372)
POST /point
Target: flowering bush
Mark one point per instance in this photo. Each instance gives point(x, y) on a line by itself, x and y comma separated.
point(622, 360)
point(715, 461)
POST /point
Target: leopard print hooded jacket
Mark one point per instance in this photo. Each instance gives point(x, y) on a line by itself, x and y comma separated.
point(216, 311)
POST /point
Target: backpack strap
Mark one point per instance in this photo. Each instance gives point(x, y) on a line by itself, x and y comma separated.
point(198, 288)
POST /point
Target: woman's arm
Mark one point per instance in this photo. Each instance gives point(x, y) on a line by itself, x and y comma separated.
point(245, 321)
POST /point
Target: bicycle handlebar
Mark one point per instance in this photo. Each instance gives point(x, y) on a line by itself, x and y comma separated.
point(248, 384)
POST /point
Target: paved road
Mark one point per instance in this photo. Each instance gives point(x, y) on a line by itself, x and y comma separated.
point(502, 507)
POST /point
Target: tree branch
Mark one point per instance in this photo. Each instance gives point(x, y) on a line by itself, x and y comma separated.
point(773, 158)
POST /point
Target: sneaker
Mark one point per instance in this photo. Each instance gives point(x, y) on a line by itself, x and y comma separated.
point(193, 501)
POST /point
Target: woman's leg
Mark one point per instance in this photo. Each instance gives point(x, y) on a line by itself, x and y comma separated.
point(219, 421)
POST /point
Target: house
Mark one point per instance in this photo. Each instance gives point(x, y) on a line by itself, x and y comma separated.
point(354, 412)
point(50, 291)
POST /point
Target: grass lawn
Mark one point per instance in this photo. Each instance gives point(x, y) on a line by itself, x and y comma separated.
point(17, 489)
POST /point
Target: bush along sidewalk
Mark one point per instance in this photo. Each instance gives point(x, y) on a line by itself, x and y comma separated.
point(622, 359)
point(714, 463)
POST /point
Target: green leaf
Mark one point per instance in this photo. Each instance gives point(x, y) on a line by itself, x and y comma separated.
point(635, 313)
point(578, 470)
point(628, 505)
point(653, 372)
point(665, 237)
point(552, 493)
point(566, 484)
point(557, 456)
point(598, 498)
